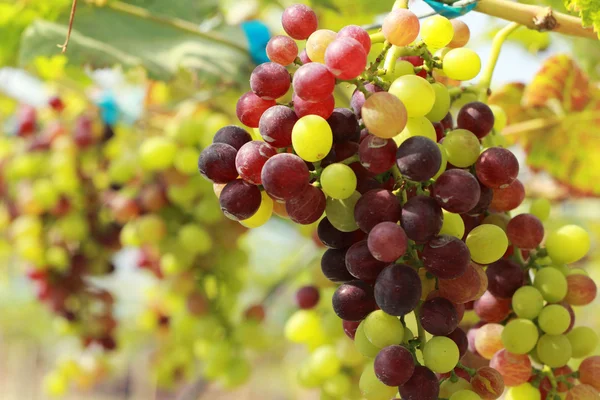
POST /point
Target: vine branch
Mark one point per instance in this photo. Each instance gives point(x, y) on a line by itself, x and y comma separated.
point(71, 20)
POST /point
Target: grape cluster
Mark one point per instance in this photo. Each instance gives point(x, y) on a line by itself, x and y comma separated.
point(413, 204)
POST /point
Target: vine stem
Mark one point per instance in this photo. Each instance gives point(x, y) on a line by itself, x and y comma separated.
point(420, 329)
point(531, 125)
point(499, 39)
point(377, 37)
point(71, 20)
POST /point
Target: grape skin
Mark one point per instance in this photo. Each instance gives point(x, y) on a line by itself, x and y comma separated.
point(217, 163)
point(299, 21)
point(492, 309)
point(353, 301)
point(398, 289)
point(377, 155)
point(361, 264)
point(346, 58)
point(336, 239)
point(456, 191)
point(497, 168)
point(307, 207)
point(276, 124)
point(387, 241)
point(344, 126)
point(422, 385)
point(250, 160)
point(515, 369)
point(438, 316)
point(239, 200)
point(505, 277)
point(401, 27)
point(421, 218)
point(313, 82)
point(270, 81)
point(418, 158)
point(233, 136)
point(285, 176)
point(476, 117)
point(394, 365)
point(323, 108)
point(282, 49)
point(333, 265)
point(376, 206)
point(446, 257)
point(250, 108)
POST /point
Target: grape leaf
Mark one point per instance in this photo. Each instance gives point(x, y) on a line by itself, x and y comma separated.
point(589, 11)
point(556, 118)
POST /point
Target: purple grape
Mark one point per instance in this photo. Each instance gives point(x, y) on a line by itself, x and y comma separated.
point(470, 222)
point(394, 365)
point(307, 297)
point(239, 200)
point(446, 257)
point(422, 385)
point(299, 21)
point(358, 98)
point(276, 126)
point(377, 155)
point(421, 218)
point(307, 207)
point(353, 301)
point(485, 200)
point(504, 278)
point(447, 122)
point(476, 117)
point(333, 265)
point(361, 264)
point(313, 82)
point(233, 136)
point(456, 191)
point(398, 289)
point(497, 168)
point(250, 160)
point(336, 239)
point(459, 337)
point(250, 108)
point(217, 163)
point(376, 206)
point(270, 81)
point(438, 316)
point(387, 241)
point(345, 150)
point(344, 125)
point(418, 158)
point(285, 176)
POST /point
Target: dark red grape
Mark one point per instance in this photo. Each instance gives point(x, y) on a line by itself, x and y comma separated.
point(285, 176)
point(299, 21)
point(394, 365)
point(446, 257)
point(335, 239)
point(470, 222)
point(56, 103)
point(307, 207)
point(26, 120)
point(476, 117)
point(418, 158)
point(350, 328)
point(376, 206)
point(251, 158)
point(333, 265)
point(439, 131)
point(282, 49)
point(361, 264)
point(233, 136)
point(485, 199)
point(447, 122)
point(307, 297)
point(217, 163)
point(508, 198)
point(250, 108)
point(421, 218)
point(353, 301)
point(459, 337)
point(456, 191)
point(525, 231)
point(276, 126)
point(345, 150)
point(387, 241)
point(270, 81)
point(239, 200)
point(438, 316)
point(497, 167)
point(422, 385)
point(492, 309)
point(322, 108)
point(398, 289)
point(344, 125)
point(376, 154)
point(313, 82)
point(504, 278)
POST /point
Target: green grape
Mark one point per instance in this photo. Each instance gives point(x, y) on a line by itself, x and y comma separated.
point(584, 341)
point(500, 119)
point(444, 163)
point(487, 243)
point(551, 283)
point(26, 226)
point(372, 388)
point(208, 211)
point(302, 325)
point(237, 374)
point(363, 344)
point(317, 43)
point(408, 335)
point(462, 148)
point(563, 268)
point(437, 31)
point(338, 386)
point(195, 239)
point(341, 213)
point(526, 391)
point(73, 227)
point(419, 126)
point(122, 170)
point(554, 350)
point(45, 194)
point(56, 384)
point(129, 235)
point(402, 68)
point(461, 64)
point(442, 103)
point(574, 271)
point(151, 228)
point(348, 354)
point(519, 336)
point(554, 319)
point(312, 138)
point(338, 181)
point(441, 354)
point(417, 95)
point(527, 302)
point(58, 257)
point(262, 215)
point(465, 395)
point(217, 361)
point(383, 329)
point(568, 244)
point(186, 161)
point(157, 153)
point(448, 388)
point(325, 362)
point(453, 225)
point(540, 208)
point(308, 378)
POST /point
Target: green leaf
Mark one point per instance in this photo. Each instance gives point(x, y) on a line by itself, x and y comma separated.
point(589, 10)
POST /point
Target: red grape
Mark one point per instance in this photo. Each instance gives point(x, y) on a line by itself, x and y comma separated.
point(250, 108)
point(497, 167)
point(488, 340)
point(514, 368)
point(504, 278)
point(376, 206)
point(282, 49)
point(476, 117)
point(421, 218)
point(322, 108)
point(313, 82)
point(306, 207)
point(299, 21)
point(394, 365)
point(276, 126)
point(398, 289)
point(357, 33)
point(307, 297)
point(333, 265)
point(376, 154)
point(344, 126)
point(233, 136)
point(422, 385)
point(459, 337)
point(387, 241)
point(508, 198)
point(438, 316)
point(217, 163)
point(456, 191)
point(418, 158)
point(488, 383)
point(525, 231)
point(335, 239)
point(346, 58)
point(350, 328)
point(446, 257)
point(353, 301)
point(464, 288)
point(358, 98)
point(270, 81)
point(492, 309)
point(251, 158)
point(285, 176)
point(239, 200)
point(361, 264)
point(582, 290)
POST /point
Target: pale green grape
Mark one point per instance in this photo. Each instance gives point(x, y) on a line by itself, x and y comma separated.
point(584, 341)
point(302, 325)
point(437, 31)
point(402, 68)
point(487, 243)
point(461, 64)
point(195, 239)
point(453, 225)
point(554, 319)
point(500, 118)
point(151, 228)
point(525, 391)
point(563, 268)
point(372, 388)
point(325, 362)
point(129, 235)
point(157, 153)
point(551, 283)
point(462, 148)
point(238, 373)
point(441, 354)
point(186, 161)
point(442, 103)
point(73, 227)
point(312, 138)
point(383, 329)
point(338, 386)
point(419, 126)
point(576, 271)
point(308, 378)
point(417, 95)
point(348, 354)
point(465, 395)
point(448, 388)
point(408, 335)
point(519, 336)
point(568, 244)
point(338, 181)
point(363, 344)
point(317, 43)
point(527, 302)
point(122, 170)
point(341, 213)
point(262, 215)
point(45, 193)
point(444, 163)
point(170, 265)
point(217, 360)
point(540, 208)
point(26, 226)
point(554, 350)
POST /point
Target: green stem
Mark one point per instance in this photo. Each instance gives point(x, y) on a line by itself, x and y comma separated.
point(350, 160)
point(499, 39)
point(400, 4)
point(377, 37)
point(470, 371)
point(390, 60)
point(420, 329)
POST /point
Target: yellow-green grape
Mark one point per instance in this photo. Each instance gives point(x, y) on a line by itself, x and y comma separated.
point(554, 319)
point(462, 64)
point(157, 153)
point(238, 373)
point(441, 354)
point(540, 208)
point(348, 354)
point(325, 362)
point(151, 228)
point(563, 268)
point(453, 225)
point(170, 265)
point(307, 377)
point(465, 395)
point(56, 384)
point(568, 244)
point(519, 336)
point(195, 239)
point(384, 115)
point(338, 181)
point(500, 220)
point(312, 138)
point(584, 341)
point(525, 391)
point(341, 213)
point(527, 302)
point(186, 161)
point(442, 103)
point(448, 388)
point(58, 257)
point(554, 350)
point(26, 226)
point(218, 359)
point(372, 388)
point(419, 126)
point(317, 43)
point(262, 215)
point(338, 386)
point(363, 344)
point(302, 325)
point(462, 148)
point(417, 95)
point(551, 283)
point(402, 68)
point(487, 243)
point(437, 31)
point(576, 271)
point(73, 227)
point(383, 329)
point(45, 193)
point(444, 163)
point(129, 235)
point(500, 117)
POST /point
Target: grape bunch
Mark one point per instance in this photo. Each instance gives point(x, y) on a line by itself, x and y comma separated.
point(413, 204)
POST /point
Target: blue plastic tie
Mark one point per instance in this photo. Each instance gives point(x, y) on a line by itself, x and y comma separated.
point(109, 110)
point(450, 11)
point(258, 36)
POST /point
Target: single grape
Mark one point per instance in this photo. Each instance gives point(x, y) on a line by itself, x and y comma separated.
point(508, 198)
point(589, 371)
point(313, 82)
point(419, 126)
point(312, 138)
point(437, 31)
point(307, 297)
point(377, 155)
point(568, 244)
point(346, 58)
point(581, 290)
point(456, 191)
point(438, 316)
point(417, 95)
point(284, 176)
point(333, 265)
point(540, 208)
point(384, 115)
point(217, 163)
point(363, 344)
point(338, 181)
point(401, 27)
point(376, 206)
point(491, 309)
point(250, 108)
point(353, 301)
point(488, 340)
point(282, 50)
point(303, 56)
point(583, 392)
point(239, 200)
point(476, 117)
point(525, 231)
point(350, 328)
point(418, 158)
point(551, 283)
point(344, 126)
point(505, 277)
point(394, 365)
point(527, 302)
point(514, 368)
point(317, 44)
point(323, 108)
point(357, 33)
point(485, 200)
point(520, 336)
point(446, 257)
point(554, 350)
point(341, 212)
point(462, 148)
point(361, 264)
point(250, 160)
point(487, 383)
point(448, 388)
point(299, 21)
point(387, 241)
point(462, 34)
point(383, 330)
point(421, 218)
point(462, 64)
point(398, 289)
point(233, 136)
point(336, 239)
point(554, 319)
point(307, 207)
point(422, 385)
point(452, 225)
point(270, 81)
point(441, 105)
point(487, 243)
point(276, 126)
point(358, 98)
point(497, 167)
point(440, 354)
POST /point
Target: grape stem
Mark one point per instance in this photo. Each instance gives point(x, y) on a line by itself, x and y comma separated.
point(420, 330)
point(377, 37)
point(470, 371)
point(350, 160)
point(71, 20)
